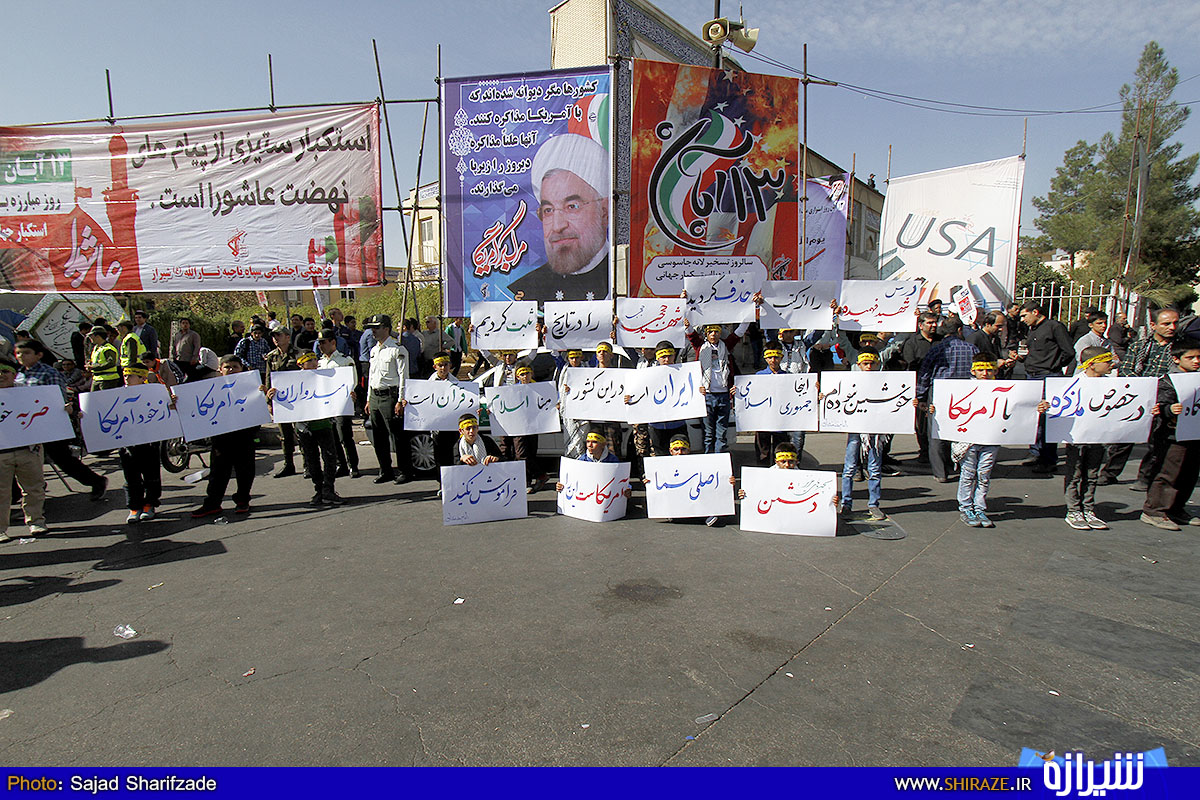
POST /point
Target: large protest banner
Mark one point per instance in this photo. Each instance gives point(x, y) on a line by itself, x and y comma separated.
point(689, 486)
point(577, 324)
point(867, 402)
point(307, 394)
point(484, 493)
point(220, 405)
point(792, 501)
point(783, 402)
point(523, 409)
point(592, 393)
point(1187, 387)
point(665, 393)
point(509, 227)
point(824, 254)
point(955, 227)
point(1099, 410)
point(879, 306)
point(504, 326)
point(127, 416)
point(647, 323)
point(986, 412)
point(431, 405)
point(289, 200)
point(32, 415)
point(714, 176)
point(591, 491)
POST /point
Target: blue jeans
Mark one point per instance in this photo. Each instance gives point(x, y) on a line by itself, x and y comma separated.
point(974, 474)
point(874, 467)
point(716, 422)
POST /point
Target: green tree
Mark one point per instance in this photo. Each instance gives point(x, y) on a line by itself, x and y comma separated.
point(1031, 270)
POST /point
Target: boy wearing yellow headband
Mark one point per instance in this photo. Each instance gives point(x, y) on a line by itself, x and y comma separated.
point(141, 465)
point(574, 430)
point(317, 443)
point(660, 434)
point(1179, 467)
point(864, 448)
point(473, 448)
point(976, 461)
point(765, 442)
point(443, 441)
point(524, 448)
point(24, 465)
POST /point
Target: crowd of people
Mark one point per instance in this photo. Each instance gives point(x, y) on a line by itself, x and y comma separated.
point(1019, 342)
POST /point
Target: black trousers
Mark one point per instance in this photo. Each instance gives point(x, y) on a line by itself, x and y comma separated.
point(320, 453)
point(443, 450)
point(287, 433)
point(387, 431)
point(141, 465)
point(59, 453)
point(1172, 485)
point(764, 446)
point(343, 431)
point(232, 454)
point(521, 448)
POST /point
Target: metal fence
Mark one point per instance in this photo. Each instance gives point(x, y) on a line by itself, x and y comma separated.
point(1066, 302)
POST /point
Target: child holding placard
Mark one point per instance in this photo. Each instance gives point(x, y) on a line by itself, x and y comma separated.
point(524, 448)
point(317, 442)
point(473, 448)
point(24, 465)
point(1176, 478)
point(142, 467)
point(864, 447)
point(975, 461)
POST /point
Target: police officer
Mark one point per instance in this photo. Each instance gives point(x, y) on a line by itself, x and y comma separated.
point(105, 365)
point(385, 390)
point(132, 346)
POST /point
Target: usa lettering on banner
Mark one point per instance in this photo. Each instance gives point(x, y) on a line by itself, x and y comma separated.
point(579, 324)
point(33, 415)
point(592, 492)
point(436, 405)
point(799, 502)
point(523, 409)
point(220, 405)
point(721, 299)
point(286, 200)
point(1187, 387)
point(689, 486)
point(646, 323)
point(1087, 410)
point(801, 305)
point(484, 493)
point(867, 402)
point(665, 393)
point(595, 394)
point(784, 402)
point(127, 416)
point(879, 306)
point(308, 394)
point(504, 326)
point(986, 412)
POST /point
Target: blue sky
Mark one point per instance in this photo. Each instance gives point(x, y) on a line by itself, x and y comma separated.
point(1028, 54)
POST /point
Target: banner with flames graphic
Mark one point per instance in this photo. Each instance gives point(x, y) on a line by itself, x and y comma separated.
point(212, 203)
point(527, 187)
point(715, 176)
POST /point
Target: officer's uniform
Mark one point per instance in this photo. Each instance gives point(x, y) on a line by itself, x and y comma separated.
point(284, 361)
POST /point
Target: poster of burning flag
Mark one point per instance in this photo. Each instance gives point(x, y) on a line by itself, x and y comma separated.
point(715, 176)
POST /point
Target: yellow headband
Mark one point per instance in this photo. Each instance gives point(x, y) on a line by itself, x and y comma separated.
point(137, 371)
point(983, 363)
point(1100, 359)
point(785, 455)
point(867, 358)
point(868, 337)
point(604, 346)
point(468, 423)
point(679, 440)
point(772, 353)
point(574, 354)
point(708, 328)
point(667, 352)
point(441, 360)
point(305, 357)
point(524, 370)
point(596, 437)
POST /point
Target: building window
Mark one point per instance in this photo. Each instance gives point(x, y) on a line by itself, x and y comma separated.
point(347, 294)
point(427, 230)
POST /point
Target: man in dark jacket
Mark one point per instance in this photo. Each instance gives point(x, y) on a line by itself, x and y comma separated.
point(1050, 350)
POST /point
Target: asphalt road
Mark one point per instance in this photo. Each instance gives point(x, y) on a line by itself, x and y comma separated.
point(583, 644)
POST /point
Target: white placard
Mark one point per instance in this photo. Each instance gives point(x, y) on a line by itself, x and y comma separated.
point(307, 394)
point(797, 304)
point(964, 304)
point(595, 394)
point(986, 412)
point(645, 323)
point(783, 402)
point(867, 402)
point(799, 502)
point(32, 415)
point(523, 409)
point(718, 299)
point(665, 393)
point(689, 486)
point(127, 416)
point(484, 493)
point(436, 405)
point(1187, 387)
point(220, 405)
point(591, 491)
point(504, 326)
point(1087, 410)
point(879, 306)
point(580, 324)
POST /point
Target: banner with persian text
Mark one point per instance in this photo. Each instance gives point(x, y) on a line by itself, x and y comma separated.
point(526, 188)
point(715, 176)
point(289, 200)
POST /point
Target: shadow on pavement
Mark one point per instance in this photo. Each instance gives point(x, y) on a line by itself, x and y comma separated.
point(27, 588)
point(23, 664)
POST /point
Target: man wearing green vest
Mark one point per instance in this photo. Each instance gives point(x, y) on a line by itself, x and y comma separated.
point(105, 365)
point(132, 346)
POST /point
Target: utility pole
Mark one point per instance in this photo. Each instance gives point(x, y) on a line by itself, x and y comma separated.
point(804, 82)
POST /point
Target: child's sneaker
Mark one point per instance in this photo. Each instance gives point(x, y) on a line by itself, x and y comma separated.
point(147, 513)
point(1075, 520)
point(983, 520)
point(876, 514)
point(969, 518)
point(132, 519)
point(1094, 522)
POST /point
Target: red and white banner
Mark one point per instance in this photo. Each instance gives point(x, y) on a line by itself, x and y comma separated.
point(276, 201)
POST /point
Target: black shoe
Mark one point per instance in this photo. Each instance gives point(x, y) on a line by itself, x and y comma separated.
point(384, 479)
point(99, 489)
point(342, 472)
point(307, 474)
point(317, 501)
point(241, 508)
point(889, 471)
point(401, 479)
point(206, 511)
point(354, 473)
point(286, 471)
point(332, 498)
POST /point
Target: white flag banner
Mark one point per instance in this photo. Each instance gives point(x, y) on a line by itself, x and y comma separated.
point(484, 493)
point(798, 304)
point(689, 486)
point(307, 394)
point(130, 415)
point(1087, 410)
point(436, 405)
point(580, 324)
point(591, 491)
point(783, 402)
point(665, 393)
point(646, 322)
point(596, 394)
point(1187, 387)
point(718, 299)
point(867, 402)
point(504, 326)
point(220, 405)
point(800, 502)
point(32, 415)
point(523, 409)
point(824, 254)
point(955, 226)
point(879, 306)
point(986, 412)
